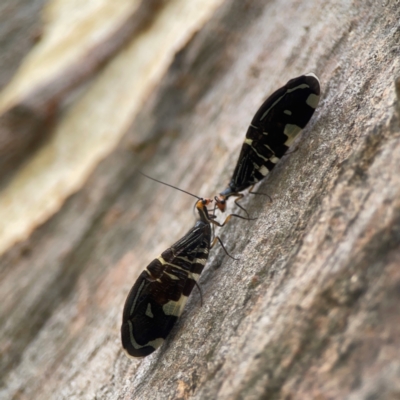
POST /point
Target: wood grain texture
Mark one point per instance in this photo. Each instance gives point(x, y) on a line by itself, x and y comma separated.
point(310, 311)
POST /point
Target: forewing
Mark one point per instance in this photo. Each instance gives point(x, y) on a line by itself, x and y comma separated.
point(274, 127)
point(159, 295)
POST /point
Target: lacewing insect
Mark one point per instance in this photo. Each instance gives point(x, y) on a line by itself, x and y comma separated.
point(160, 293)
point(274, 127)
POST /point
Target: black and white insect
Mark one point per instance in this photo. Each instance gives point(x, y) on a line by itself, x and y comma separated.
point(274, 127)
point(160, 293)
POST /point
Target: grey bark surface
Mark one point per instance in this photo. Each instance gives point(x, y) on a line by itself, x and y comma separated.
point(311, 309)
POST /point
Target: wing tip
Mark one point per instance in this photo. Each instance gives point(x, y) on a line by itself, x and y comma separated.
point(312, 75)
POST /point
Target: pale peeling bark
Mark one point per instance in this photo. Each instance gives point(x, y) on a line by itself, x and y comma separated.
point(311, 309)
point(72, 45)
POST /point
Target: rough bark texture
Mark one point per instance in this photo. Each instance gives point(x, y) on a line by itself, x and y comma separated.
point(311, 309)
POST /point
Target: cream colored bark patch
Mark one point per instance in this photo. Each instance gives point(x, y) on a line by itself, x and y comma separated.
point(95, 123)
point(72, 29)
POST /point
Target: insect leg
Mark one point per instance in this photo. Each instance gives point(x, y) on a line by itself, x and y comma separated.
point(239, 196)
point(217, 239)
point(227, 219)
point(259, 193)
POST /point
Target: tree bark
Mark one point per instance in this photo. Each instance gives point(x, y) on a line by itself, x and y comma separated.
point(310, 310)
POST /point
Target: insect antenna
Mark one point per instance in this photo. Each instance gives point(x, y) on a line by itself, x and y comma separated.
point(167, 184)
